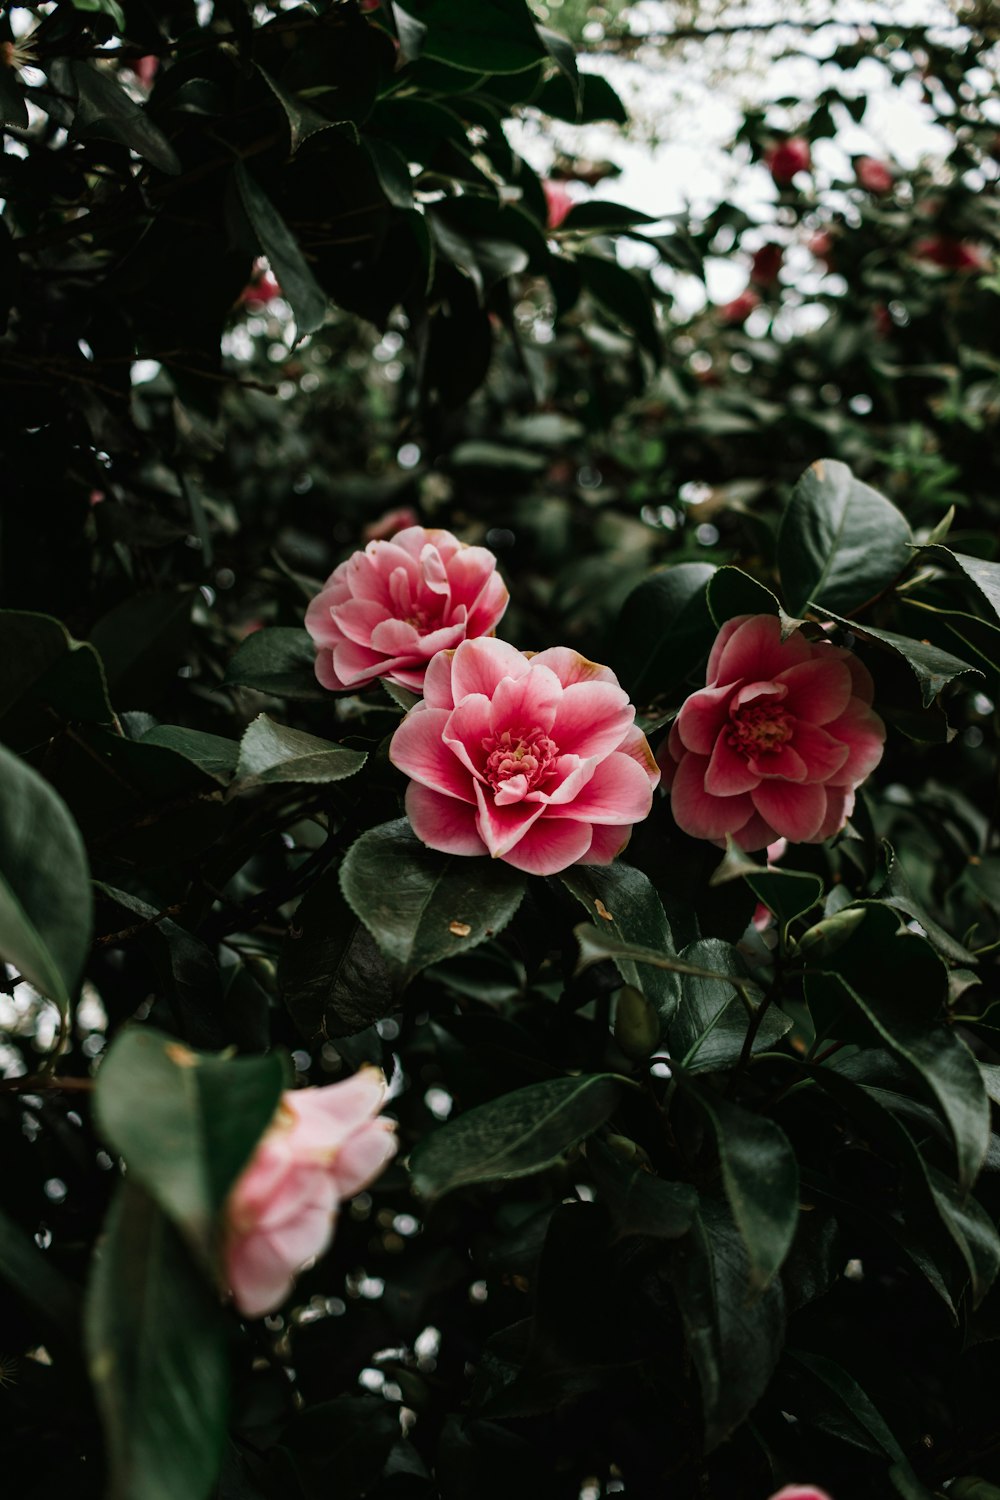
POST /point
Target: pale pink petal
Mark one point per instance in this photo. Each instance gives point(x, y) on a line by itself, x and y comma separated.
point(259, 1277)
point(320, 623)
point(570, 667)
point(500, 828)
point(863, 732)
point(701, 718)
point(326, 1116)
point(355, 665)
point(608, 842)
point(512, 789)
point(364, 1157)
point(418, 748)
point(437, 681)
point(592, 717)
point(486, 611)
point(526, 702)
point(479, 665)
point(753, 692)
point(471, 571)
point(795, 811)
point(800, 1492)
point(822, 753)
point(728, 772)
point(617, 792)
point(550, 845)
point(465, 730)
point(565, 782)
point(756, 651)
point(433, 573)
point(636, 745)
point(356, 619)
point(818, 690)
point(697, 812)
point(326, 674)
point(394, 637)
point(410, 677)
point(442, 822)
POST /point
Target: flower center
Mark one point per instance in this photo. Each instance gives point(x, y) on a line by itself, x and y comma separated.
point(518, 752)
point(759, 728)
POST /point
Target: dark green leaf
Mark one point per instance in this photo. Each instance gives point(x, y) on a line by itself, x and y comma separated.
point(13, 105)
point(710, 1028)
point(597, 217)
point(664, 630)
point(932, 667)
point(31, 1276)
point(275, 240)
point(624, 295)
point(840, 542)
point(985, 575)
point(421, 906)
point(272, 753)
point(637, 1200)
point(786, 893)
point(104, 109)
point(332, 976)
point(303, 120)
point(141, 643)
point(280, 661)
point(494, 36)
point(733, 592)
point(513, 1136)
point(897, 892)
point(597, 101)
point(209, 752)
point(46, 906)
point(157, 1349)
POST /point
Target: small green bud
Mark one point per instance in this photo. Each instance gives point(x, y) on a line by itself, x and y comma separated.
point(627, 1150)
point(637, 1026)
point(832, 932)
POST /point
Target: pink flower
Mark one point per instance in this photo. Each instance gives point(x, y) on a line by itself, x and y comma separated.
point(558, 201)
point(766, 264)
point(735, 313)
point(873, 175)
point(323, 1145)
point(775, 744)
point(785, 159)
point(387, 610)
point(950, 254)
point(262, 287)
point(823, 246)
point(387, 525)
point(531, 759)
point(801, 1492)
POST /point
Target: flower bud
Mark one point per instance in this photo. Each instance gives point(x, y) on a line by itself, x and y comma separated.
point(637, 1026)
point(831, 933)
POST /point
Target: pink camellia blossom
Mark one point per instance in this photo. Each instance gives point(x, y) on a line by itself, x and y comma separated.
point(558, 201)
point(323, 1145)
point(801, 1492)
point(776, 742)
point(387, 525)
point(873, 175)
point(531, 759)
point(823, 245)
point(785, 159)
point(388, 610)
point(766, 264)
point(735, 313)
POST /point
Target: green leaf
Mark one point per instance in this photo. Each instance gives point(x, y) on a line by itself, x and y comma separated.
point(624, 295)
point(733, 592)
point(515, 1135)
point(332, 977)
point(46, 905)
point(186, 1123)
point(274, 239)
point(932, 667)
point(664, 630)
point(105, 7)
point(710, 1028)
point(897, 893)
point(786, 893)
point(597, 100)
point(211, 753)
point(104, 109)
point(31, 1276)
point(279, 660)
point(421, 906)
point(304, 121)
point(157, 1347)
point(840, 541)
point(13, 105)
point(971, 1487)
point(639, 1202)
point(985, 575)
point(596, 216)
point(846, 1391)
point(272, 753)
point(761, 1179)
point(392, 171)
point(141, 643)
point(493, 36)
point(623, 903)
point(32, 650)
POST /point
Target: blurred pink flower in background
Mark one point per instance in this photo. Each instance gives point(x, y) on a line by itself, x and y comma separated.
point(785, 159)
point(873, 175)
point(800, 1492)
point(735, 313)
point(950, 253)
point(386, 526)
point(766, 264)
point(535, 760)
point(559, 201)
point(388, 610)
point(324, 1145)
point(776, 742)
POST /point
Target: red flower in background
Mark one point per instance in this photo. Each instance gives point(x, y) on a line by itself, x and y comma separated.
point(950, 253)
point(735, 313)
point(766, 264)
point(873, 175)
point(785, 159)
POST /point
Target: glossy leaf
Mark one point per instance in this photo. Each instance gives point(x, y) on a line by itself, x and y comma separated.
point(275, 240)
point(272, 753)
point(279, 660)
point(332, 976)
point(932, 667)
point(664, 630)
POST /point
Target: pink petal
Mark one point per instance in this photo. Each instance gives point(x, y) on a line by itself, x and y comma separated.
point(357, 618)
point(863, 683)
point(326, 674)
point(418, 748)
point(592, 717)
point(570, 667)
point(327, 1115)
point(527, 702)
point(725, 634)
point(839, 806)
point(434, 576)
point(479, 666)
point(728, 772)
point(863, 732)
point(487, 609)
point(636, 745)
point(608, 842)
point(701, 718)
point(796, 811)
point(617, 792)
point(320, 623)
point(696, 811)
point(500, 828)
point(437, 681)
point(753, 692)
point(364, 1157)
point(465, 730)
point(755, 650)
point(442, 822)
point(550, 845)
point(823, 755)
point(473, 578)
point(398, 638)
point(757, 834)
point(783, 763)
point(258, 1276)
point(565, 781)
point(356, 665)
point(818, 690)
point(514, 789)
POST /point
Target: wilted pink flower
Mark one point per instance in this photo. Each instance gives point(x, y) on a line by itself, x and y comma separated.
point(950, 254)
point(323, 1145)
point(531, 759)
point(388, 524)
point(766, 264)
point(801, 1492)
point(387, 610)
point(558, 200)
point(735, 313)
point(785, 159)
point(873, 175)
point(775, 744)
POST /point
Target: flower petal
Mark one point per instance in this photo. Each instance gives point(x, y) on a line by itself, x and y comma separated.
point(728, 772)
point(466, 728)
point(839, 806)
point(796, 811)
point(418, 748)
point(701, 718)
point(437, 681)
point(818, 690)
point(479, 665)
point(822, 753)
point(609, 840)
point(757, 834)
point(570, 667)
point(550, 845)
point(617, 792)
point(696, 811)
point(636, 745)
point(863, 732)
point(500, 828)
point(442, 822)
point(755, 650)
point(783, 763)
point(526, 702)
point(364, 1156)
point(592, 717)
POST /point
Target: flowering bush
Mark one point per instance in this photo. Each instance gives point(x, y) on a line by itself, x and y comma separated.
point(323, 1146)
point(776, 742)
point(388, 610)
point(533, 760)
